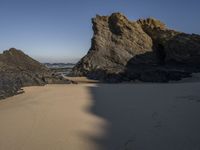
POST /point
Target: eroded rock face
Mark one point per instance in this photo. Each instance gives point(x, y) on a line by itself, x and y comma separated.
point(18, 70)
point(116, 40)
point(145, 49)
point(176, 46)
point(9, 85)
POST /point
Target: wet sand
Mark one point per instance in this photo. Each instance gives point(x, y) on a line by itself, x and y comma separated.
point(102, 117)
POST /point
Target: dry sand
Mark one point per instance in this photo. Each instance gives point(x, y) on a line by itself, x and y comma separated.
point(54, 117)
point(102, 117)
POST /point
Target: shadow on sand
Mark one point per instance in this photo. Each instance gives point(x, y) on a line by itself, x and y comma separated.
point(147, 116)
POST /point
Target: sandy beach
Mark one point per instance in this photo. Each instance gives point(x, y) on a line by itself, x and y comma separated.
point(102, 117)
point(99, 75)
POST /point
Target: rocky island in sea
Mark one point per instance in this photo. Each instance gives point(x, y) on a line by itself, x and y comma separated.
point(145, 50)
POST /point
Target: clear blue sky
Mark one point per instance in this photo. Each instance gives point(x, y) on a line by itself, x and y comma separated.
point(60, 30)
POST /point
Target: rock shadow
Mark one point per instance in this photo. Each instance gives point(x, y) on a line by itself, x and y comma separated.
point(146, 117)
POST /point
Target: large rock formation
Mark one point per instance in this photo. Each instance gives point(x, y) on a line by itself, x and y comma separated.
point(145, 50)
point(116, 40)
point(18, 70)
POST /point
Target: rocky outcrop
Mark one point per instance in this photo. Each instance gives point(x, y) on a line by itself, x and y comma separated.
point(174, 46)
point(146, 50)
point(113, 45)
point(18, 70)
point(9, 85)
